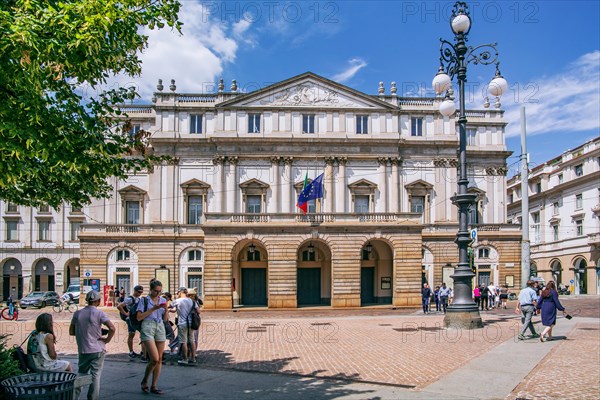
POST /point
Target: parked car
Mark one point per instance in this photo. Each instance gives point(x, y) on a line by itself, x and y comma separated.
point(39, 299)
point(75, 290)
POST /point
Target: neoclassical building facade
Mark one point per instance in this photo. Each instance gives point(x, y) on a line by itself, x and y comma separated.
point(564, 217)
point(221, 214)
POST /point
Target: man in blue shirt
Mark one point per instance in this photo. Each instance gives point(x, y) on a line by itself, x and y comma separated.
point(526, 307)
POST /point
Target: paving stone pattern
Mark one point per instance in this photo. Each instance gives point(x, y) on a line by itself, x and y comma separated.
point(569, 371)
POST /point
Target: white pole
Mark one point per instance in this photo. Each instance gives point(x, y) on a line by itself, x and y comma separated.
point(525, 255)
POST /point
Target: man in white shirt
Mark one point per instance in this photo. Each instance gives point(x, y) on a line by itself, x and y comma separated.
point(526, 306)
point(183, 305)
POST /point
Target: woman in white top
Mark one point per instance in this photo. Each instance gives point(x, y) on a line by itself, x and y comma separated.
point(42, 348)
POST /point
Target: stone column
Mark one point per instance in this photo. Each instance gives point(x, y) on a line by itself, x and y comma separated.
point(217, 203)
point(275, 203)
point(395, 190)
point(289, 205)
point(382, 173)
point(341, 189)
point(329, 195)
point(231, 184)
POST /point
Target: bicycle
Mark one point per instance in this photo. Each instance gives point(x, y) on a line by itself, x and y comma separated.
point(10, 313)
point(63, 305)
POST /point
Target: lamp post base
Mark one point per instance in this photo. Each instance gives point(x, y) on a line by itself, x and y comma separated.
point(463, 319)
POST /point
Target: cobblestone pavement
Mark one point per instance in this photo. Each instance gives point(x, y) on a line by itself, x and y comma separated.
point(379, 345)
point(569, 371)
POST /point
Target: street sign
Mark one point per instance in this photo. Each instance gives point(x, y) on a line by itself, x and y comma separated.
point(572, 281)
point(474, 235)
point(87, 273)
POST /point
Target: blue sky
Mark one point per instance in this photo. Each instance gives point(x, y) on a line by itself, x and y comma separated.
point(549, 53)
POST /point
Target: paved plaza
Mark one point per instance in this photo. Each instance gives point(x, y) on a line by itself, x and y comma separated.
point(366, 353)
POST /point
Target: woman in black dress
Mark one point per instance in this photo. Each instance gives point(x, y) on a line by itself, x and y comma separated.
point(548, 302)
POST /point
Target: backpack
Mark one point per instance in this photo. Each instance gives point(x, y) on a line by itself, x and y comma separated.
point(126, 309)
point(133, 313)
point(194, 318)
point(25, 361)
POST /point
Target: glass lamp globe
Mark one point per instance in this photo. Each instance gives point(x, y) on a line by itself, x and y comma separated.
point(447, 108)
point(441, 82)
point(497, 86)
point(461, 23)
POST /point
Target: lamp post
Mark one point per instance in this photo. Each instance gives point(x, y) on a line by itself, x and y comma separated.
point(454, 58)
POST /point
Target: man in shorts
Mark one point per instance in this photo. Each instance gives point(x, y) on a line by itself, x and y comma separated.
point(183, 305)
point(124, 309)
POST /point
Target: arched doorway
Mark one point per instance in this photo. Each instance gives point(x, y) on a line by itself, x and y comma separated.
point(556, 268)
point(12, 279)
point(376, 273)
point(314, 274)
point(44, 275)
point(580, 269)
point(533, 271)
point(72, 272)
point(250, 275)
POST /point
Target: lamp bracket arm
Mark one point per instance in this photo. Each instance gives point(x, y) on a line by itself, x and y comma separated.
point(484, 54)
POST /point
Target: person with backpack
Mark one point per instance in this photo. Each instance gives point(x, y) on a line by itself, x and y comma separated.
point(195, 321)
point(152, 313)
point(41, 347)
point(183, 306)
point(125, 309)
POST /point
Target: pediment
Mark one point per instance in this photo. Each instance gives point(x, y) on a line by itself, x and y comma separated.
point(254, 184)
point(195, 184)
point(132, 189)
point(308, 91)
point(418, 184)
point(362, 184)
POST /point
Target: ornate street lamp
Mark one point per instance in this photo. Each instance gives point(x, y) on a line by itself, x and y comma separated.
point(252, 248)
point(311, 248)
point(454, 58)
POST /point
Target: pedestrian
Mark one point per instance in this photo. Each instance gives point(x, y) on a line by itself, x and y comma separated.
point(193, 347)
point(42, 347)
point(152, 313)
point(548, 302)
point(183, 306)
point(86, 326)
point(436, 298)
point(477, 295)
point(504, 296)
point(425, 298)
point(444, 294)
point(11, 305)
point(124, 309)
point(492, 296)
point(485, 293)
point(526, 306)
point(121, 295)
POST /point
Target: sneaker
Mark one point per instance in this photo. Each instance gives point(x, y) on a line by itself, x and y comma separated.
point(535, 335)
point(182, 362)
point(521, 337)
point(133, 354)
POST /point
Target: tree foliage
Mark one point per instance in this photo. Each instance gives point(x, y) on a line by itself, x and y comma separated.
point(57, 142)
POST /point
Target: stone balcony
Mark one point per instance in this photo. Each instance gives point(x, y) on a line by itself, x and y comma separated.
point(594, 239)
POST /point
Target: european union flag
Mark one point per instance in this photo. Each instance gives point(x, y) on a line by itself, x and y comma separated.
point(313, 190)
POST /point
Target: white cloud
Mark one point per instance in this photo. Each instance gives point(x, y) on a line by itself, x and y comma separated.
point(565, 102)
point(356, 64)
point(194, 59)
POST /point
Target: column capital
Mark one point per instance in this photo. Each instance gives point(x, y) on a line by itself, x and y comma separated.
point(382, 160)
point(173, 161)
point(276, 160)
point(233, 160)
point(329, 161)
point(342, 160)
point(218, 160)
point(288, 160)
point(396, 161)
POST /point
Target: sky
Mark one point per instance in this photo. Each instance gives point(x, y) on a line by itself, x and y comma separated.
point(549, 52)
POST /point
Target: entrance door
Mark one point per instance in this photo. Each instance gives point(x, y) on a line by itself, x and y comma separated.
point(254, 287)
point(123, 281)
point(195, 281)
point(367, 285)
point(484, 278)
point(12, 284)
point(309, 286)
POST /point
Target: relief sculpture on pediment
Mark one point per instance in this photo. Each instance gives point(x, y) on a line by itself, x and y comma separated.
point(308, 95)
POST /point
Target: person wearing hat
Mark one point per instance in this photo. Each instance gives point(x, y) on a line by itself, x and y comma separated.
point(194, 333)
point(86, 326)
point(124, 308)
point(183, 306)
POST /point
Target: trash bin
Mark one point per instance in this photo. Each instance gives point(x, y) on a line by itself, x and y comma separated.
point(41, 386)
